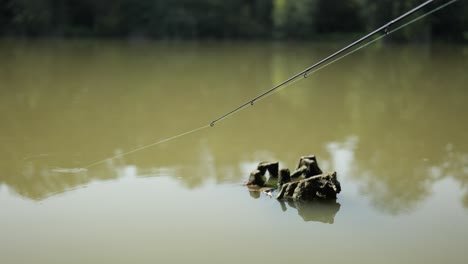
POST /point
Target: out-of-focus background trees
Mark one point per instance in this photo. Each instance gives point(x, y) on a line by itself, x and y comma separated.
point(222, 19)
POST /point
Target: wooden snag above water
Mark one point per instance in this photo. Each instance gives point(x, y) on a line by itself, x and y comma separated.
point(284, 176)
point(323, 186)
point(257, 177)
point(306, 168)
point(307, 182)
point(271, 167)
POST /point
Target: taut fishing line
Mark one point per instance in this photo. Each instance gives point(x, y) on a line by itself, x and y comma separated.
point(346, 51)
point(148, 146)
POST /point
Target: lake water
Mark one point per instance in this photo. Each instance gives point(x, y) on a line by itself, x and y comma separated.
point(390, 119)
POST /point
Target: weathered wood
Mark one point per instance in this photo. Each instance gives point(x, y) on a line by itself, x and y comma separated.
point(311, 165)
point(307, 182)
point(303, 158)
point(298, 172)
point(287, 190)
point(272, 167)
point(257, 178)
point(284, 177)
point(323, 186)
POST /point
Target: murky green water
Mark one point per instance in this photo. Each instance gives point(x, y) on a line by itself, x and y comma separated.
point(391, 120)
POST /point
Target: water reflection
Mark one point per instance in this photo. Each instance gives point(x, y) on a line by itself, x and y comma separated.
point(316, 211)
point(396, 182)
point(37, 178)
point(254, 194)
point(455, 165)
point(403, 126)
point(390, 124)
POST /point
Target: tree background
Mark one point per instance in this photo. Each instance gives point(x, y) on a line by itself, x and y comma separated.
point(222, 19)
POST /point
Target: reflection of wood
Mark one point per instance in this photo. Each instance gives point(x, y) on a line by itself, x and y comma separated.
point(255, 191)
point(323, 211)
point(260, 189)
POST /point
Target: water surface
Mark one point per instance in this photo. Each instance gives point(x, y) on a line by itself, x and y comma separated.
point(391, 120)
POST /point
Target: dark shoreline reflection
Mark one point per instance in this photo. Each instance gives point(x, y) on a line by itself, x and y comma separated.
point(42, 176)
point(313, 211)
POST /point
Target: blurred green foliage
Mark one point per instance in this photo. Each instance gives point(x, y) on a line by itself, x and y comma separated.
point(220, 19)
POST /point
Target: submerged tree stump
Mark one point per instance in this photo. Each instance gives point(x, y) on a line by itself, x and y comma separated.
point(323, 186)
point(307, 167)
point(257, 177)
point(271, 167)
point(284, 177)
point(307, 182)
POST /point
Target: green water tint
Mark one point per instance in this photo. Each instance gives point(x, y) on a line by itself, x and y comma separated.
point(389, 119)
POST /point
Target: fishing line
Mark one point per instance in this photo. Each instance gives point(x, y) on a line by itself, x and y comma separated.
point(147, 146)
point(301, 75)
